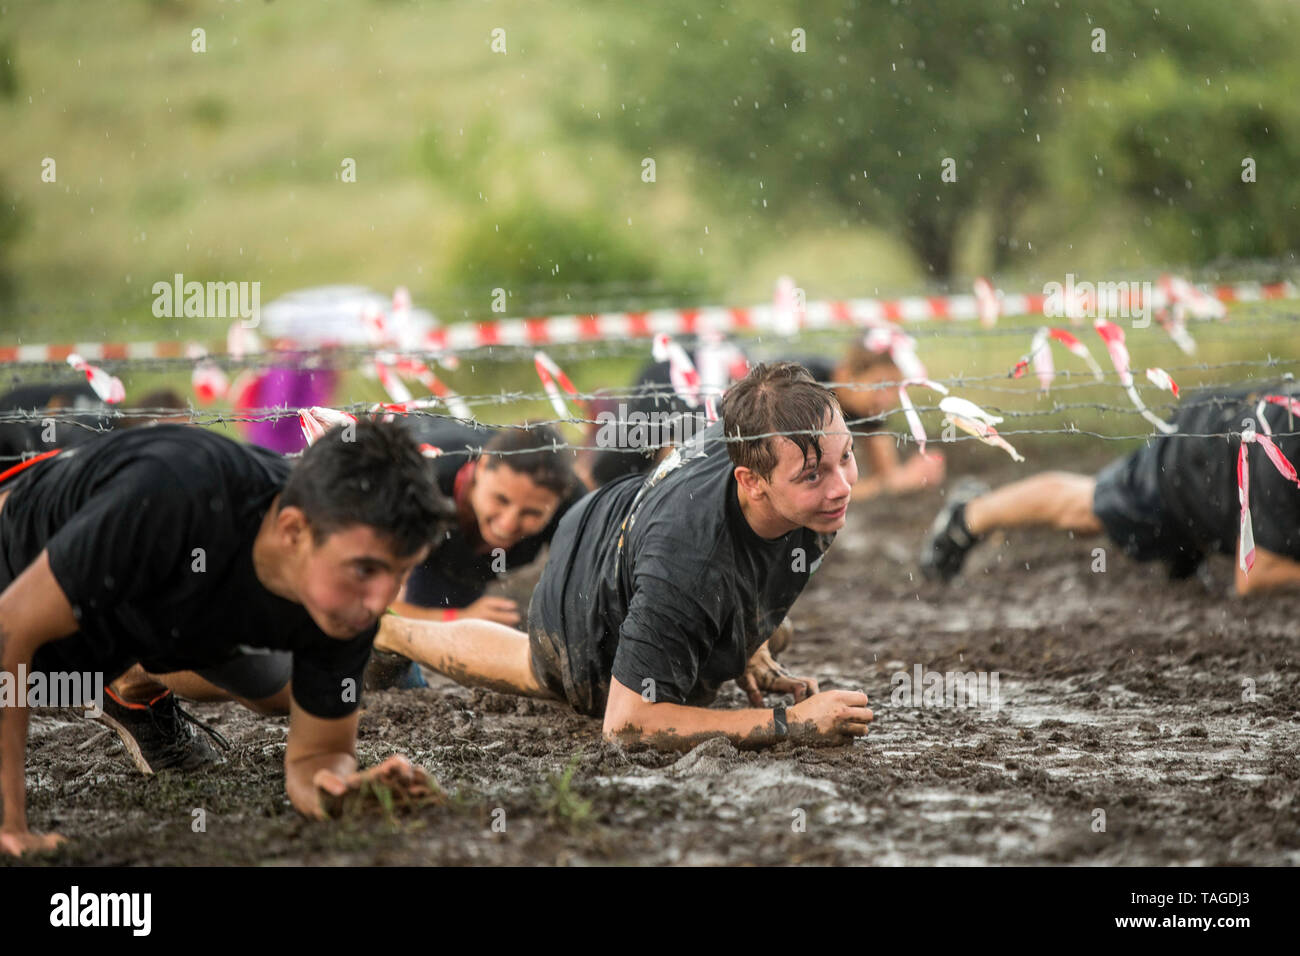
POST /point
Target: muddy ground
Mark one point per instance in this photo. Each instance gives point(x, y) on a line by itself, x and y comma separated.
point(1119, 693)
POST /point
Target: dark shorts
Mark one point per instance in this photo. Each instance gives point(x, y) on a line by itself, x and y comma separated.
point(1127, 502)
point(585, 692)
point(253, 674)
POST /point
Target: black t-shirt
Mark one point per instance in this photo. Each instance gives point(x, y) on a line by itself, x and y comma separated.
point(75, 400)
point(456, 574)
point(1198, 476)
point(632, 450)
point(665, 581)
point(150, 535)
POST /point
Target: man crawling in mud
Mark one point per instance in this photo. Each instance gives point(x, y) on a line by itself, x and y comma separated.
point(659, 590)
point(181, 550)
point(1174, 500)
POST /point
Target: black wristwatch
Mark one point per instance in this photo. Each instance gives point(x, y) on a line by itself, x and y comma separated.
point(778, 719)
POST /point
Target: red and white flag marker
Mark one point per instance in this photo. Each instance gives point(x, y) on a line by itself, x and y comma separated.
point(1292, 406)
point(554, 379)
point(317, 420)
point(970, 418)
point(392, 383)
point(1162, 379)
point(1246, 535)
point(1113, 336)
point(1040, 354)
point(909, 410)
point(987, 303)
point(107, 387)
point(686, 381)
point(208, 381)
point(789, 311)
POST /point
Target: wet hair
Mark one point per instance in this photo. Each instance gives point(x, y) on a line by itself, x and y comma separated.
point(371, 474)
point(775, 397)
point(859, 359)
point(536, 451)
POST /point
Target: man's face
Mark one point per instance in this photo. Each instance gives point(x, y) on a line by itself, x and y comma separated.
point(350, 578)
point(811, 495)
point(866, 401)
point(508, 505)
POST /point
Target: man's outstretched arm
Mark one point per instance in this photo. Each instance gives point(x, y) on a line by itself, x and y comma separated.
point(832, 717)
point(33, 611)
point(472, 652)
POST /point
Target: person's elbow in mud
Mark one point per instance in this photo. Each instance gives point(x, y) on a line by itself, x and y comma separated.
point(626, 712)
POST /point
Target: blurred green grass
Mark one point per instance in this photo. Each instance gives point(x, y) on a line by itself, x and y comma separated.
point(225, 165)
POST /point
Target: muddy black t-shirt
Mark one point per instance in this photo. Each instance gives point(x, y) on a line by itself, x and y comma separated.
point(654, 417)
point(664, 584)
point(1198, 476)
point(456, 574)
point(150, 535)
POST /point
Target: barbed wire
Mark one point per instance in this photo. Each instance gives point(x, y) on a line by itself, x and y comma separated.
point(671, 405)
point(670, 399)
point(901, 438)
point(1086, 379)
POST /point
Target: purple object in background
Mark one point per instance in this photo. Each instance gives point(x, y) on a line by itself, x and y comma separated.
point(293, 388)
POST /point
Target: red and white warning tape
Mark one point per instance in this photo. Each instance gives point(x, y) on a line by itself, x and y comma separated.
point(785, 316)
point(1246, 535)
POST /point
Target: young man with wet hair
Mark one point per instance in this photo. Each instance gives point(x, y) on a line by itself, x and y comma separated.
point(182, 550)
point(658, 591)
point(1172, 500)
point(510, 487)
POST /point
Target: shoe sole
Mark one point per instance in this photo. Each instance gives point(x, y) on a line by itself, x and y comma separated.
point(129, 742)
point(962, 493)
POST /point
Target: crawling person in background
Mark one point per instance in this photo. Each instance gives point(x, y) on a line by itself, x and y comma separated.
point(859, 377)
point(860, 374)
point(510, 487)
point(78, 415)
point(182, 550)
point(657, 591)
point(1174, 499)
point(633, 450)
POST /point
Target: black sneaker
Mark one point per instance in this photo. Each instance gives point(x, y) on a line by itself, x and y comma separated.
point(160, 735)
point(945, 549)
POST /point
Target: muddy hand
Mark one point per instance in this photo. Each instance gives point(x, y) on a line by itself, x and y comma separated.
point(491, 608)
point(833, 717)
point(396, 773)
point(764, 674)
